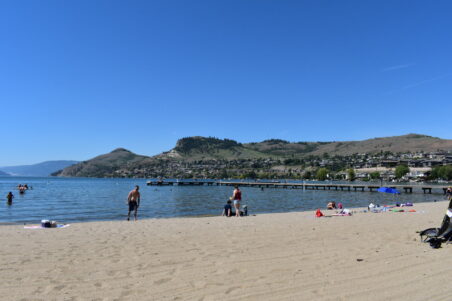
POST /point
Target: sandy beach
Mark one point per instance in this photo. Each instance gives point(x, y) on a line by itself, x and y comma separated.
point(285, 256)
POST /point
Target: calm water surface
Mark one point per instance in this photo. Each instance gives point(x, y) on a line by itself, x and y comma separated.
point(80, 199)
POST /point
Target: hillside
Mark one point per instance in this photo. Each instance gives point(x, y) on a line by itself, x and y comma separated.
point(103, 165)
point(212, 157)
point(209, 148)
point(405, 143)
point(42, 169)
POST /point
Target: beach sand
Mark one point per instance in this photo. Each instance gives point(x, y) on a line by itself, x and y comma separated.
point(284, 256)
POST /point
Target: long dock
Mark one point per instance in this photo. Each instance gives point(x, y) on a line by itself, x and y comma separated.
point(306, 186)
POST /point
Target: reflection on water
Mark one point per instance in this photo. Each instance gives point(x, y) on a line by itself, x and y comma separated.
point(81, 199)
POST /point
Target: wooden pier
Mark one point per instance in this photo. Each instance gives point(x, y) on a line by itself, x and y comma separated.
point(306, 186)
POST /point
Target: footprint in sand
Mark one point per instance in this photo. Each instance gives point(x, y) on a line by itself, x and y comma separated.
point(51, 289)
point(232, 289)
point(98, 284)
point(38, 291)
point(237, 271)
point(198, 284)
point(161, 281)
point(125, 294)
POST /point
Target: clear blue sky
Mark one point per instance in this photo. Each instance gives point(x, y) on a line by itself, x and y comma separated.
point(80, 78)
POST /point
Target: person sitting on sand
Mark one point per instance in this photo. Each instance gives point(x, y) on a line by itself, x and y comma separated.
point(227, 211)
point(449, 193)
point(133, 200)
point(9, 198)
point(331, 206)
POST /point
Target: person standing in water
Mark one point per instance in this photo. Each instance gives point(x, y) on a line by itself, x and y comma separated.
point(237, 198)
point(9, 198)
point(133, 200)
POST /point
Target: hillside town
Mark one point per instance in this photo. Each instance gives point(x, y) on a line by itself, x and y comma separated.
point(365, 167)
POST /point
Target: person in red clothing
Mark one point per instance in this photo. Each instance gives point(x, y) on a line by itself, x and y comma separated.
point(237, 198)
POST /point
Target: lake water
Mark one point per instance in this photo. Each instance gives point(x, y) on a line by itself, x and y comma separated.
point(69, 200)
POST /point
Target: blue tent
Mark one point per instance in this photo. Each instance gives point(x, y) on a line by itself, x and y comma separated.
point(388, 190)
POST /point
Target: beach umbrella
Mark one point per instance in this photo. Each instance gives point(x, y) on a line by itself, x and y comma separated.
point(388, 190)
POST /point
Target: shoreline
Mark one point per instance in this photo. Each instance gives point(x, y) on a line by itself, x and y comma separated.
point(324, 210)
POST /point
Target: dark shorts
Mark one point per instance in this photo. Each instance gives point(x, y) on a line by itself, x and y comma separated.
point(133, 206)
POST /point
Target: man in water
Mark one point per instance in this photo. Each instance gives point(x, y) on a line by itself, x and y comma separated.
point(134, 201)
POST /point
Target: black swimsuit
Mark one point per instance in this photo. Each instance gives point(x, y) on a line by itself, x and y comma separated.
point(133, 205)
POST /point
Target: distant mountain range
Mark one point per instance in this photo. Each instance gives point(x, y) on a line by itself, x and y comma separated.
point(3, 174)
point(43, 169)
point(196, 155)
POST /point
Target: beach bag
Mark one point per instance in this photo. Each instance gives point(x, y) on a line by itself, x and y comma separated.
point(435, 243)
point(318, 213)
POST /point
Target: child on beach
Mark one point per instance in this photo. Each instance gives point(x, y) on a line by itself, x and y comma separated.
point(227, 211)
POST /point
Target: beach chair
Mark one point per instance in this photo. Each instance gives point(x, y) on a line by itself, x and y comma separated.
point(436, 236)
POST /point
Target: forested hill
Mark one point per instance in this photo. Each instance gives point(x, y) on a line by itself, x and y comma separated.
point(192, 153)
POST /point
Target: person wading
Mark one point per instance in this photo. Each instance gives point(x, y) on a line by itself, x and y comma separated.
point(9, 198)
point(134, 199)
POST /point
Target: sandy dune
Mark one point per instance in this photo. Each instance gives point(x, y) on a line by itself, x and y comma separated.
point(288, 256)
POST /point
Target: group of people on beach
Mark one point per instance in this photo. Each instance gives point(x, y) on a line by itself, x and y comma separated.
point(134, 199)
point(332, 205)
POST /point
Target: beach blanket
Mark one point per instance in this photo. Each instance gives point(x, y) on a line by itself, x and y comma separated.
point(344, 212)
point(41, 227)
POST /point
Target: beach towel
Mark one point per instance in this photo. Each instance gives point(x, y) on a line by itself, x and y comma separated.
point(397, 210)
point(41, 227)
point(345, 212)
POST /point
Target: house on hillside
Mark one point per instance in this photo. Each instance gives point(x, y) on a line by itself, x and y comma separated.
point(432, 163)
point(389, 163)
